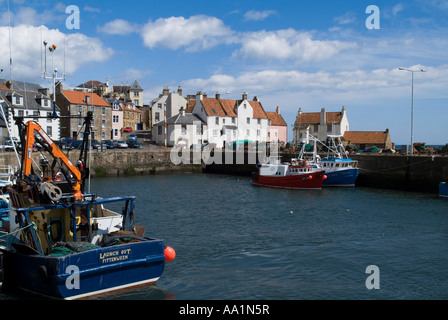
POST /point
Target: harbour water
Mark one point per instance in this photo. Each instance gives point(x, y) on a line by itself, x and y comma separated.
point(237, 241)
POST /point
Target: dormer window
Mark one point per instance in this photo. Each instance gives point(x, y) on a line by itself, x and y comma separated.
point(19, 100)
point(45, 102)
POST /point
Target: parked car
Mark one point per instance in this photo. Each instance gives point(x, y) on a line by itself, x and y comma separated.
point(134, 144)
point(76, 144)
point(6, 147)
point(132, 136)
point(127, 129)
point(109, 144)
point(66, 143)
point(96, 144)
point(120, 144)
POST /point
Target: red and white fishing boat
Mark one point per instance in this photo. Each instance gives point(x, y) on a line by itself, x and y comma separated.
point(295, 175)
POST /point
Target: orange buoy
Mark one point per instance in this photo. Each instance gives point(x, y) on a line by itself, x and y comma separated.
point(310, 177)
point(325, 177)
point(170, 254)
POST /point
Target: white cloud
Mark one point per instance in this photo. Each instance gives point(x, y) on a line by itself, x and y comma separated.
point(118, 27)
point(354, 85)
point(26, 49)
point(397, 8)
point(347, 18)
point(289, 44)
point(254, 15)
point(195, 33)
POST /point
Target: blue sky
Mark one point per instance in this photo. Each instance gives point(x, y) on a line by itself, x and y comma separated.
point(292, 54)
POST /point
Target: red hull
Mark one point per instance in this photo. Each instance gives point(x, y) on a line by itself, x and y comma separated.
point(298, 181)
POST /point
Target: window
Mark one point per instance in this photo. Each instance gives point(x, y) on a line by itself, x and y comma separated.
point(136, 94)
point(159, 106)
point(316, 128)
point(136, 102)
point(248, 132)
point(199, 129)
point(184, 129)
point(79, 122)
point(36, 114)
point(329, 128)
point(87, 100)
point(103, 123)
point(115, 133)
point(217, 120)
point(159, 130)
point(48, 116)
point(115, 119)
point(258, 133)
point(103, 135)
point(248, 120)
point(157, 117)
point(223, 121)
point(80, 109)
point(103, 111)
point(20, 113)
point(50, 130)
point(215, 133)
point(233, 120)
point(258, 121)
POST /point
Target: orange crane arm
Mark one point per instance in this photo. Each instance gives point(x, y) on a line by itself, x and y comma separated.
point(33, 128)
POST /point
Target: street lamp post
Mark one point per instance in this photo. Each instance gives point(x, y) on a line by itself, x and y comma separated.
point(412, 105)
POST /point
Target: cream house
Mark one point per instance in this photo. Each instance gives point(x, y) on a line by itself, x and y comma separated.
point(320, 124)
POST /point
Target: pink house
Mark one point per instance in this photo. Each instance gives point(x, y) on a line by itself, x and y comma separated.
point(277, 128)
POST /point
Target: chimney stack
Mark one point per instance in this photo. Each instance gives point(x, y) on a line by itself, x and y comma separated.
point(277, 110)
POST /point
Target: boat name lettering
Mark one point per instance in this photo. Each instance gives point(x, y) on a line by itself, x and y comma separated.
point(115, 256)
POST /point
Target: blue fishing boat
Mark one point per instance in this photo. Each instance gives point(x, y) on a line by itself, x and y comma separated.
point(340, 170)
point(443, 190)
point(63, 242)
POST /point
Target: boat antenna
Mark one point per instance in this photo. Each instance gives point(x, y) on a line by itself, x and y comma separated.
point(10, 53)
point(54, 76)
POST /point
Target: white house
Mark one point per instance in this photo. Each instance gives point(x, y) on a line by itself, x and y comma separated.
point(32, 102)
point(173, 102)
point(182, 129)
point(230, 120)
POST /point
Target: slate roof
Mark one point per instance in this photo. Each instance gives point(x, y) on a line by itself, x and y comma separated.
point(188, 118)
point(31, 100)
point(22, 86)
point(136, 86)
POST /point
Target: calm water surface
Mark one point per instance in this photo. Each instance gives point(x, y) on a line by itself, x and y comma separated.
point(237, 241)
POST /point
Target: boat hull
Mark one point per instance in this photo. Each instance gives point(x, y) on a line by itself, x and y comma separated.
point(83, 274)
point(290, 181)
point(341, 178)
point(443, 190)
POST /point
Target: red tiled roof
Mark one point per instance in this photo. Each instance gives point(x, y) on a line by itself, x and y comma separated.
point(258, 111)
point(212, 107)
point(378, 137)
point(78, 97)
point(228, 105)
point(314, 118)
point(190, 106)
point(276, 119)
